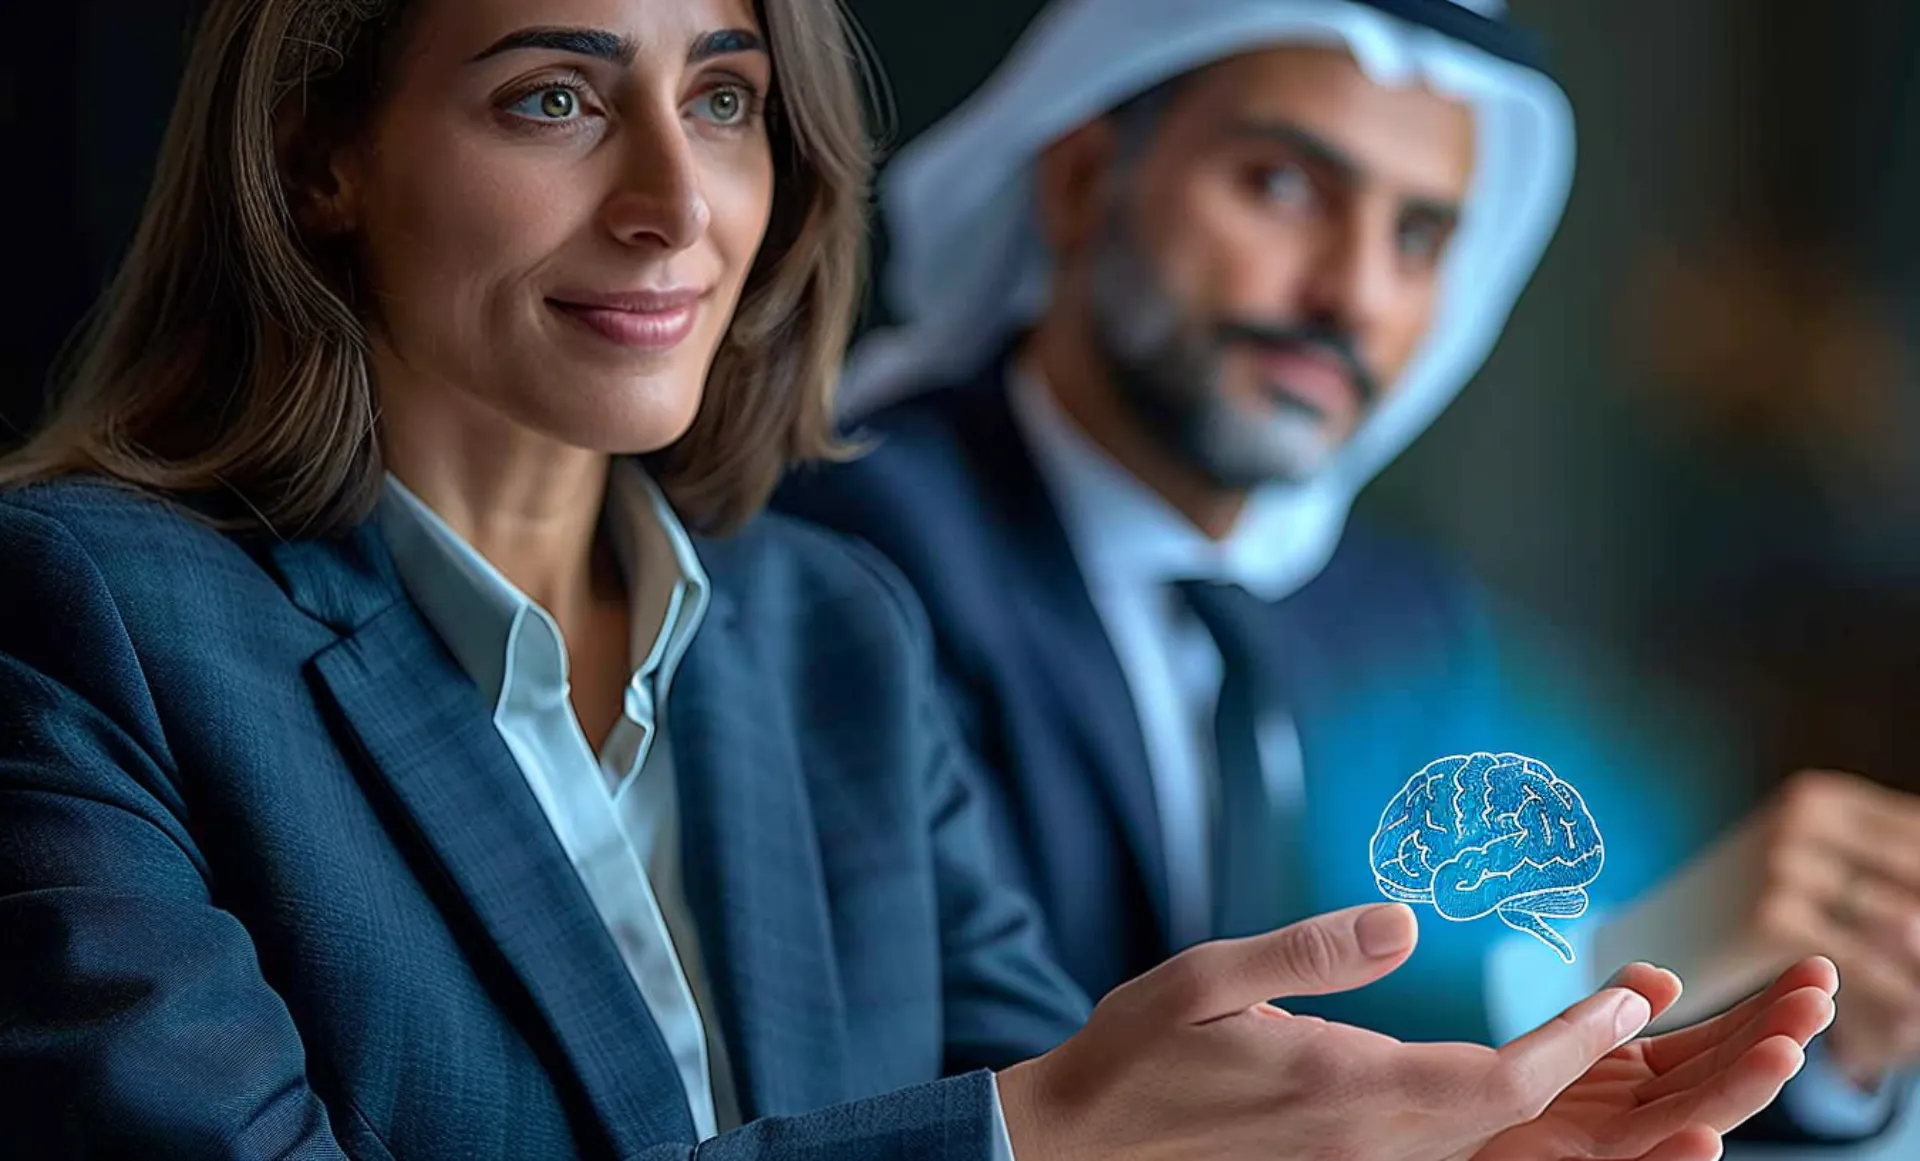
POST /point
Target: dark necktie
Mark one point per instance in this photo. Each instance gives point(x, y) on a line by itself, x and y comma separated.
point(1254, 873)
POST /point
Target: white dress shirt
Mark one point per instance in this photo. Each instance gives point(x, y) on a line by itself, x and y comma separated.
point(1132, 548)
point(616, 812)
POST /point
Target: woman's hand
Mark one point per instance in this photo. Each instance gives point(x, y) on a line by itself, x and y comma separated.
point(1191, 1060)
point(1669, 1098)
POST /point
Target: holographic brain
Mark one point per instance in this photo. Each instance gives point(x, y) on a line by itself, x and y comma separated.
point(1483, 834)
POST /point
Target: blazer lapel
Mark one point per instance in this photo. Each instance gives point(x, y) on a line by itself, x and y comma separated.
point(431, 751)
point(1063, 634)
point(754, 881)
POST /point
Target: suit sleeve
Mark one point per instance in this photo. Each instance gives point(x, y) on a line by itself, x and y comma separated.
point(1006, 998)
point(948, 1120)
point(134, 1020)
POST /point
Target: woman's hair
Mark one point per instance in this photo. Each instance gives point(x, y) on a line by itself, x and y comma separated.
point(228, 355)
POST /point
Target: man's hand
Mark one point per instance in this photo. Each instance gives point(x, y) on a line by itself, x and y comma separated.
point(1191, 1060)
point(1840, 875)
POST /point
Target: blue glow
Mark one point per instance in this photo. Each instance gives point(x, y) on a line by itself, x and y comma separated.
point(1482, 834)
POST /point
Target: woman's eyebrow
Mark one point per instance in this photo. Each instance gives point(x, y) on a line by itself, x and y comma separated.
point(593, 42)
point(724, 42)
point(616, 49)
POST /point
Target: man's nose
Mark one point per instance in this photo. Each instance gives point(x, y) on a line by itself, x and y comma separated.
point(1355, 272)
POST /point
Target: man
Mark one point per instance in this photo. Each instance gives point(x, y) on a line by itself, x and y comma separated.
point(1177, 282)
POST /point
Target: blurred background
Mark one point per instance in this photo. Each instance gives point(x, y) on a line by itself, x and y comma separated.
point(1697, 447)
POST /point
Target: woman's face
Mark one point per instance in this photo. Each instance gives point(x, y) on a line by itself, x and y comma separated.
point(557, 205)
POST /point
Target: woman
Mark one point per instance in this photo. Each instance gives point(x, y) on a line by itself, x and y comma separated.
point(387, 770)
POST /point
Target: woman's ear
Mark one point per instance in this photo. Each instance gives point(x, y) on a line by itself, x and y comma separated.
point(1074, 186)
point(316, 175)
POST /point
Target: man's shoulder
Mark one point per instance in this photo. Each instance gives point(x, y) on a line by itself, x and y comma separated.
point(912, 451)
point(925, 483)
point(1387, 593)
point(783, 571)
point(1387, 562)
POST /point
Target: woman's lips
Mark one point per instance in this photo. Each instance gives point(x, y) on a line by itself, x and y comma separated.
point(649, 320)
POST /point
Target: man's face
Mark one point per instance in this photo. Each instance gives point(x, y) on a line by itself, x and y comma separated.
point(1269, 257)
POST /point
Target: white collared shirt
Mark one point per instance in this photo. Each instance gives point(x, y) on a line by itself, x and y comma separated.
point(616, 811)
point(1132, 548)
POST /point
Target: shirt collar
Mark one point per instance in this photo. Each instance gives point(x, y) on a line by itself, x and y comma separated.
point(669, 587)
point(1124, 533)
point(476, 610)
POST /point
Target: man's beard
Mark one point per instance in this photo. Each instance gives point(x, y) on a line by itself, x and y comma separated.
point(1167, 367)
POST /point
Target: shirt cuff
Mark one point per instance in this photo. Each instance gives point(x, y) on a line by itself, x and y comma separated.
point(1822, 1102)
point(1002, 1140)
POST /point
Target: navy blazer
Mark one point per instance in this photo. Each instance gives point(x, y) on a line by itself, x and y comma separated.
point(271, 885)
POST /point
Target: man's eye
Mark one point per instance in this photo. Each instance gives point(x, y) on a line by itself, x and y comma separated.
point(1422, 240)
point(553, 103)
point(1287, 185)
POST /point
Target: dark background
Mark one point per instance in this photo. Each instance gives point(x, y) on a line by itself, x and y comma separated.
point(1697, 446)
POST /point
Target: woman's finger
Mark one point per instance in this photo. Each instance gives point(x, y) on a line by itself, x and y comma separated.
point(1800, 1016)
point(1694, 1143)
point(1667, 1052)
point(1540, 1065)
point(1660, 986)
point(1730, 1096)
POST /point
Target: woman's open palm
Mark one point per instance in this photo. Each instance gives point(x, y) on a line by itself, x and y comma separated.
point(1670, 1097)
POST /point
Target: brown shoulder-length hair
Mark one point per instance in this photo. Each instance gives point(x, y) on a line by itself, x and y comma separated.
point(227, 357)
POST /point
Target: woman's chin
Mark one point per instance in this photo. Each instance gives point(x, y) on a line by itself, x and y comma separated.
point(625, 427)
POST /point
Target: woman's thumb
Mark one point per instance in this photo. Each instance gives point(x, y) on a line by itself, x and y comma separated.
point(1336, 952)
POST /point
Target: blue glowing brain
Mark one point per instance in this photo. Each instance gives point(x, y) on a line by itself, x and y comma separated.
point(1490, 834)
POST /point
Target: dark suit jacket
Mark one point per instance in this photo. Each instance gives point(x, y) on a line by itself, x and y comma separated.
point(272, 886)
point(1391, 659)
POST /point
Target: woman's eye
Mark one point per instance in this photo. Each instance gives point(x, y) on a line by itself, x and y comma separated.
point(554, 103)
point(727, 105)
